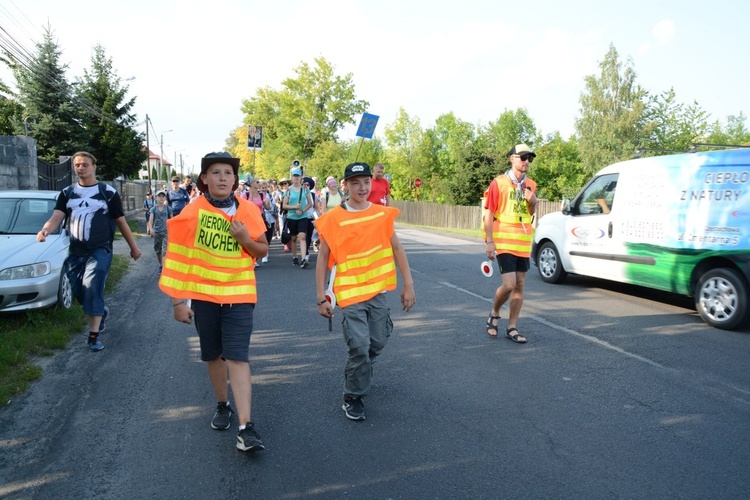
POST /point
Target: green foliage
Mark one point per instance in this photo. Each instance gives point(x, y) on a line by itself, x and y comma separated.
point(558, 169)
point(46, 96)
point(613, 121)
point(11, 110)
point(107, 121)
point(408, 156)
point(673, 126)
point(735, 131)
point(316, 94)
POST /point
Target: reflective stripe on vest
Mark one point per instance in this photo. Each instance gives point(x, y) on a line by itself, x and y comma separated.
point(203, 259)
point(360, 274)
point(512, 229)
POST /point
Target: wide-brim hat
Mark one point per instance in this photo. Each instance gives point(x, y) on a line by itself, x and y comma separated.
point(309, 181)
point(220, 157)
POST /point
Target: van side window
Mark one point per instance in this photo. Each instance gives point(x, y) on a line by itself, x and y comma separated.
point(598, 196)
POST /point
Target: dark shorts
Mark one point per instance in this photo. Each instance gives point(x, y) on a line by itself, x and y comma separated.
point(297, 226)
point(509, 263)
point(224, 330)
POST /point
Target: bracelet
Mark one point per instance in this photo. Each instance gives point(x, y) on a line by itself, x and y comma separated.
point(488, 242)
point(178, 303)
point(322, 302)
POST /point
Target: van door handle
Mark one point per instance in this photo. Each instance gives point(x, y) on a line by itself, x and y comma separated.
point(609, 230)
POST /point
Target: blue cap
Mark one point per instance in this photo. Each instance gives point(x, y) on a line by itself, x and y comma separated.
point(296, 171)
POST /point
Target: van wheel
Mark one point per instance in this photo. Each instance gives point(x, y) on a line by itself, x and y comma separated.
point(549, 264)
point(64, 292)
point(721, 298)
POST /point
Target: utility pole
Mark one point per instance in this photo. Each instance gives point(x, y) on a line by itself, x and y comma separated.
point(148, 157)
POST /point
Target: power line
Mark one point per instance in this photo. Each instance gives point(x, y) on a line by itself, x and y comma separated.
point(23, 57)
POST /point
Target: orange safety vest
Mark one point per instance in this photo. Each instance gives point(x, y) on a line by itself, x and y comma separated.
point(203, 259)
point(512, 227)
point(360, 244)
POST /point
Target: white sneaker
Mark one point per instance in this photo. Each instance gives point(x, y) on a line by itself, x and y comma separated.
point(264, 259)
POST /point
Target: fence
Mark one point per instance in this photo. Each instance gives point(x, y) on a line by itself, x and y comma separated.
point(131, 193)
point(454, 216)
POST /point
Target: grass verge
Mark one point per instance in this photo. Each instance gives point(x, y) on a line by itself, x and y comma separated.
point(29, 334)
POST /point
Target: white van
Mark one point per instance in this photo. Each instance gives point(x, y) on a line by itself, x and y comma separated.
point(679, 223)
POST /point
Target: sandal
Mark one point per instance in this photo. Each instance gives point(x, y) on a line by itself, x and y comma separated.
point(515, 338)
point(490, 326)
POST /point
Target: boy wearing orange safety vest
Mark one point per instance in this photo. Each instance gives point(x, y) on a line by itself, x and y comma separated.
point(511, 204)
point(359, 239)
point(213, 245)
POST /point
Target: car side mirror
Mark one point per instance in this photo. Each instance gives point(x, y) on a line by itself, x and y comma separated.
point(565, 206)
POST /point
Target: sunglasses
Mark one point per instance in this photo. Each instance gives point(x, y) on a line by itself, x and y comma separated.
point(526, 157)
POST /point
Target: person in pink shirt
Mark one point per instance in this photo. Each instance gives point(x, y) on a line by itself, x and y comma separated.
point(381, 188)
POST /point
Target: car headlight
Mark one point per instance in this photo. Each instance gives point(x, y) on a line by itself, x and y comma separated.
point(25, 272)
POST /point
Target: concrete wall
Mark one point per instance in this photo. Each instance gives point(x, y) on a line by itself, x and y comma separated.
point(18, 168)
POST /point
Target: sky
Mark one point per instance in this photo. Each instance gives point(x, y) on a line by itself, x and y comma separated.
point(194, 62)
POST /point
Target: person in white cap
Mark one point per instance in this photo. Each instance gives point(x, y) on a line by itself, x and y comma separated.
point(511, 205)
point(296, 202)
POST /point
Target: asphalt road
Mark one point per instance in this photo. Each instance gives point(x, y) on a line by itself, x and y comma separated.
point(620, 393)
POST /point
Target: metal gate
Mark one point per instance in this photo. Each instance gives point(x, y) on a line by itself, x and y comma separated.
point(54, 177)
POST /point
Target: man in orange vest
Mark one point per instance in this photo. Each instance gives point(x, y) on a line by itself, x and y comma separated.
point(209, 274)
point(359, 239)
point(511, 204)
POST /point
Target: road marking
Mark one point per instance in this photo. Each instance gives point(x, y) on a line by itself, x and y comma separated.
point(563, 329)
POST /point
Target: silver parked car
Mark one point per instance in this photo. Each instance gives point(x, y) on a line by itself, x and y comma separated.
point(31, 272)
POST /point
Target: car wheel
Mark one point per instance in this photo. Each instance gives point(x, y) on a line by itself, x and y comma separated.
point(64, 292)
point(721, 298)
point(549, 264)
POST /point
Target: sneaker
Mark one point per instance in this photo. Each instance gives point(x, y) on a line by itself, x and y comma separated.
point(264, 260)
point(95, 345)
point(295, 261)
point(104, 320)
point(257, 264)
point(305, 262)
point(248, 439)
point(222, 417)
point(354, 408)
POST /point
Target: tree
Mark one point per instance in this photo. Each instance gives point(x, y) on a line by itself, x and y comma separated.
point(558, 169)
point(316, 94)
point(107, 120)
point(672, 126)
point(11, 111)
point(46, 96)
point(612, 121)
point(454, 141)
point(409, 155)
point(734, 133)
point(494, 142)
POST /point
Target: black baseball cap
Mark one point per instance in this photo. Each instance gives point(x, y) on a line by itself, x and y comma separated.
point(357, 169)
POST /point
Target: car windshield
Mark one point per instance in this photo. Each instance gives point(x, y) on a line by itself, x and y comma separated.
point(24, 216)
